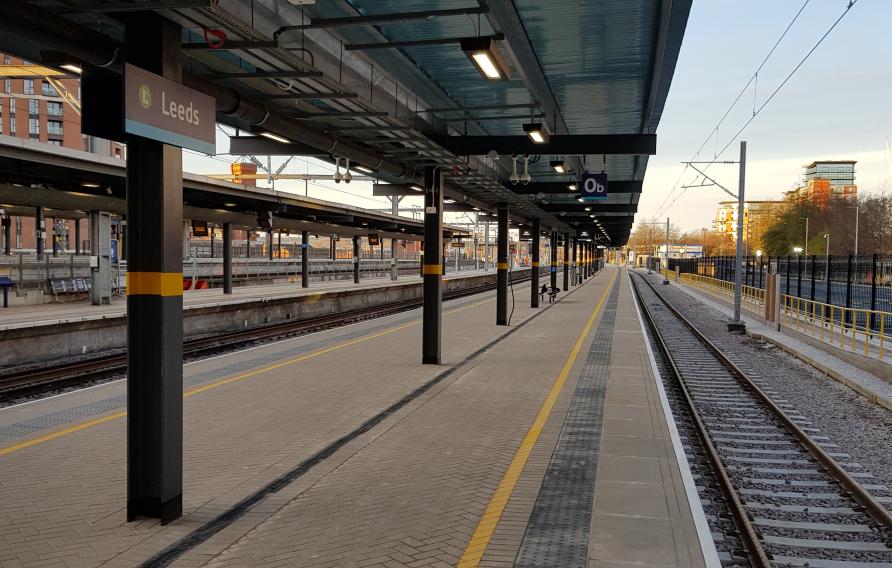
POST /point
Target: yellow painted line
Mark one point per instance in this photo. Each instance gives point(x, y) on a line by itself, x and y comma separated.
point(154, 283)
point(499, 500)
point(240, 377)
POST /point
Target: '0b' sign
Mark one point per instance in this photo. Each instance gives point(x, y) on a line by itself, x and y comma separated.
point(594, 186)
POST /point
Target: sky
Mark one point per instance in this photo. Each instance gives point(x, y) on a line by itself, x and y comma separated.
point(837, 106)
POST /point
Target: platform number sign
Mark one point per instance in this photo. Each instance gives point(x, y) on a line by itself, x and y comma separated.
point(594, 186)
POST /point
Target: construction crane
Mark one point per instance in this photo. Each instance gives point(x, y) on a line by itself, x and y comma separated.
point(51, 76)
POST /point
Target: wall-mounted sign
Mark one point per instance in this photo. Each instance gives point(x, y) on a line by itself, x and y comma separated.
point(458, 244)
point(594, 186)
point(163, 110)
point(374, 239)
point(200, 229)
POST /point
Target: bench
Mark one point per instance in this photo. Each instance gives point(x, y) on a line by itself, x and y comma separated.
point(64, 289)
point(552, 294)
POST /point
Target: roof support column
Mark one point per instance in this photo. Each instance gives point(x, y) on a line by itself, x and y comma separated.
point(356, 258)
point(534, 271)
point(575, 262)
point(432, 267)
point(269, 244)
point(304, 259)
point(100, 245)
point(39, 231)
point(7, 234)
point(553, 267)
point(154, 296)
point(502, 266)
point(566, 261)
point(227, 258)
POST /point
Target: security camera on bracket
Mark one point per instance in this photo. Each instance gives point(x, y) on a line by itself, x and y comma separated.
point(525, 176)
point(337, 174)
point(514, 178)
point(347, 175)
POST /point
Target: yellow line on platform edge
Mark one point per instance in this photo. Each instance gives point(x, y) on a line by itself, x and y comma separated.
point(487, 526)
point(242, 376)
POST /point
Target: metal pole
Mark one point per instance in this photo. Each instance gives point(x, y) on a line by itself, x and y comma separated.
point(7, 234)
point(432, 269)
point(39, 231)
point(553, 267)
point(502, 266)
point(486, 246)
point(394, 210)
point(857, 215)
point(806, 236)
point(737, 324)
point(304, 259)
point(576, 261)
point(227, 258)
point(566, 263)
point(269, 245)
point(356, 259)
point(827, 268)
point(534, 270)
point(666, 256)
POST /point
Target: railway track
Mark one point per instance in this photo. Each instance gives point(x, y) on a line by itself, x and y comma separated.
point(795, 498)
point(27, 382)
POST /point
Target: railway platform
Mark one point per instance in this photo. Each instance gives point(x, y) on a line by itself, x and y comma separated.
point(544, 443)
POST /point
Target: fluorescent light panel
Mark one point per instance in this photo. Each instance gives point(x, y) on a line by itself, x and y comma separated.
point(275, 137)
point(487, 58)
point(71, 67)
point(537, 132)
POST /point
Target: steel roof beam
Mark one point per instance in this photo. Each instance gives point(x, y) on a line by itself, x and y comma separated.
point(593, 208)
point(560, 187)
point(375, 19)
point(263, 75)
point(306, 96)
point(417, 42)
point(563, 145)
point(482, 118)
point(395, 189)
point(481, 107)
point(261, 146)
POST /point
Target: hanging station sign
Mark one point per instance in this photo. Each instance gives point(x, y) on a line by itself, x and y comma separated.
point(166, 111)
point(594, 187)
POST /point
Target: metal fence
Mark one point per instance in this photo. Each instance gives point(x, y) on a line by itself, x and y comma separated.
point(862, 282)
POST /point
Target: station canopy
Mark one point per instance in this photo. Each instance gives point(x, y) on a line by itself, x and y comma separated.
point(515, 100)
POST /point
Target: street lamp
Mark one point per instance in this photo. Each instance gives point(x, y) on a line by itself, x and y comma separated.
point(806, 235)
point(827, 266)
point(759, 253)
point(797, 250)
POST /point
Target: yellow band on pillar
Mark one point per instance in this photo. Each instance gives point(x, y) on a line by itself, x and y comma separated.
point(435, 269)
point(154, 283)
point(502, 266)
point(535, 263)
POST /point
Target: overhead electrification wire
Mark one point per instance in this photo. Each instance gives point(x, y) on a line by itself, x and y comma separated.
point(780, 86)
point(714, 131)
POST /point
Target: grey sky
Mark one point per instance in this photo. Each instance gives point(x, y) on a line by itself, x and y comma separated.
point(837, 106)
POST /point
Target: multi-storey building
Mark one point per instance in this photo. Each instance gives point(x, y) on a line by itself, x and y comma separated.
point(33, 108)
point(757, 217)
point(826, 180)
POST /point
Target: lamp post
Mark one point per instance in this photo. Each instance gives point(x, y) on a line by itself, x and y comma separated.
point(827, 266)
point(797, 250)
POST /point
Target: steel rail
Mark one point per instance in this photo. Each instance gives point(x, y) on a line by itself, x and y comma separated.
point(748, 534)
point(862, 496)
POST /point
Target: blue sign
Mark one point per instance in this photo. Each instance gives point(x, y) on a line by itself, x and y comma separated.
point(594, 186)
point(113, 251)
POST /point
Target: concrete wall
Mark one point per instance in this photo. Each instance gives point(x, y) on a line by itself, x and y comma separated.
point(98, 333)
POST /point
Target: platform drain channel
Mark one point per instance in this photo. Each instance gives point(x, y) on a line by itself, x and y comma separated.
point(558, 529)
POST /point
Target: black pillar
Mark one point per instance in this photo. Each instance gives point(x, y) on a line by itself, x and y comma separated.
point(77, 236)
point(332, 247)
point(269, 244)
point(54, 237)
point(227, 258)
point(279, 244)
point(553, 268)
point(502, 267)
point(39, 230)
point(7, 234)
point(304, 259)
point(566, 261)
point(248, 243)
point(356, 258)
point(211, 233)
point(534, 274)
point(154, 296)
point(432, 267)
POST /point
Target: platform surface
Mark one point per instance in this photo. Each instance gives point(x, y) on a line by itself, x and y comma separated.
point(52, 313)
point(455, 474)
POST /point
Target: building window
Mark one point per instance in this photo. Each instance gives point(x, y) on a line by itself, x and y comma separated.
point(33, 106)
point(54, 127)
point(29, 86)
point(53, 108)
point(5, 60)
point(6, 86)
point(11, 124)
point(54, 142)
point(33, 126)
point(48, 90)
point(12, 106)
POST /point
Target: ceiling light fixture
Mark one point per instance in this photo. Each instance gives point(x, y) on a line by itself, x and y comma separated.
point(275, 137)
point(558, 166)
point(448, 200)
point(416, 188)
point(579, 199)
point(485, 55)
point(571, 187)
point(537, 132)
point(363, 169)
point(588, 208)
point(89, 184)
point(71, 67)
point(229, 204)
